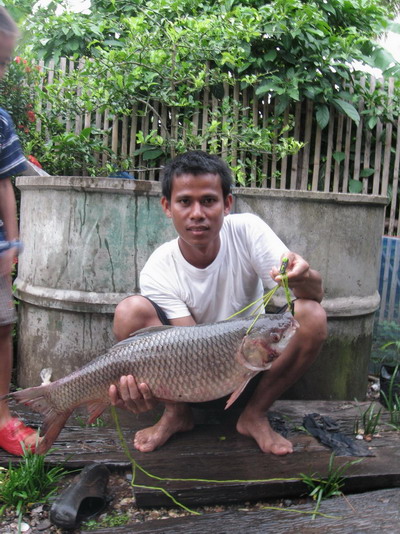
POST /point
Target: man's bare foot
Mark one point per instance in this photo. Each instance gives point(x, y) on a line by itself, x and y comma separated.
point(259, 428)
point(176, 418)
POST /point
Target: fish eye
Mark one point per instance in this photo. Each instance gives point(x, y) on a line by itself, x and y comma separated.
point(275, 337)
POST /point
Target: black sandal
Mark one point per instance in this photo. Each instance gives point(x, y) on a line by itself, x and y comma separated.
point(84, 498)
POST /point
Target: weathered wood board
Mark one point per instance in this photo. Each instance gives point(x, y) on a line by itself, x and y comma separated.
point(364, 513)
point(215, 451)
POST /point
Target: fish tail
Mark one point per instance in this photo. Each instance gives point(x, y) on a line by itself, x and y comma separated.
point(53, 421)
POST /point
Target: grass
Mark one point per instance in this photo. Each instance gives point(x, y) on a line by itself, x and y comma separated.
point(322, 488)
point(115, 519)
point(369, 421)
point(30, 482)
point(392, 400)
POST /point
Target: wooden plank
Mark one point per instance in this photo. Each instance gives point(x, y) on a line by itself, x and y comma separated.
point(40, 101)
point(78, 117)
point(215, 451)
point(359, 132)
point(106, 137)
point(284, 161)
point(338, 149)
point(329, 150)
point(306, 149)
point(124, 137)
point(255, 117)
point(115, 134)
point(224, 146)
point(317, 159)
point(347, 152)
point(387, 147)
point(295, 157)
point(133, 132)
point(378, 158)
point(206, 103)
point(360, 513)
point(265, 115)
point(236, 93)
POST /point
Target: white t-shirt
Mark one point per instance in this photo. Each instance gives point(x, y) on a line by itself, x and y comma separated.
point(237, 277)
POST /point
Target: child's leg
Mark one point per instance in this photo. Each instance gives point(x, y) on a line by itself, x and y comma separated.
point(6, 367)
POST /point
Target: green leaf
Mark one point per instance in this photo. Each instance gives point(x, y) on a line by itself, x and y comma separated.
point(322, 116)
point(270, 55)
point(366, 172)
point(348, 109)
point(152, 154)
point(355, 186)
point(339, 156)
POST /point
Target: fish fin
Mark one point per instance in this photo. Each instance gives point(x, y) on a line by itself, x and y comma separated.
point(95, 409)
point(238, 391)
point(53, 421)
point(53, 424)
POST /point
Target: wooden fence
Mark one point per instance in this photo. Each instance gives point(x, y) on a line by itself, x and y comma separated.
point(330, 160)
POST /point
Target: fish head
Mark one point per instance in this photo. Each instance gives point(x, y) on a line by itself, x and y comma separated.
point(267, 339)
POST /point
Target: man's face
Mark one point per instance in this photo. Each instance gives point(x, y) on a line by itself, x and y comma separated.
point(7, 44)
point(197, 209)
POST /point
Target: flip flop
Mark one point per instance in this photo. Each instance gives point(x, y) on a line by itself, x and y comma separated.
point(84, 498)
point(13, 436)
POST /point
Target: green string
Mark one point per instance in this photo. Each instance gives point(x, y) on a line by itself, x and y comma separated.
point(136, 466)
point(263, 301)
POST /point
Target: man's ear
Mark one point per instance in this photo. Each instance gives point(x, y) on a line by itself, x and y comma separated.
point(228, 204)
point(166, 207)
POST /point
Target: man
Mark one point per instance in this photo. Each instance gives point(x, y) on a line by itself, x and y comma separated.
point(218, 265)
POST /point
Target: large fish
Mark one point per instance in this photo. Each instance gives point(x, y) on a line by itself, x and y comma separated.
point(180, 364)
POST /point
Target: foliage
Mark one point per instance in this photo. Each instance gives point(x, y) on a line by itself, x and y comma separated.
point(392, 398)
point(30, 482)
point(18, 95)
point(329, 486)
point(174, 51)
point(294, 49)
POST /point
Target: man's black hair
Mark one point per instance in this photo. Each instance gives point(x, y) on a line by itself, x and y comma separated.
point(196, 162)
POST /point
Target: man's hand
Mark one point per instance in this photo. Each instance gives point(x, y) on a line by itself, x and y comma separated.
point(132, 396)
point(304, 281)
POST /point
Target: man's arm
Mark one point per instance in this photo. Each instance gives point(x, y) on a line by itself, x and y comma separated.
point(306, 283)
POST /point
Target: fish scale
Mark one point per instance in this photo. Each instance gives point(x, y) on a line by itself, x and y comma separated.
point(180, 364)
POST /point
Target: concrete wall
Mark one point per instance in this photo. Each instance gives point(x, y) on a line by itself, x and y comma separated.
point(86, 240)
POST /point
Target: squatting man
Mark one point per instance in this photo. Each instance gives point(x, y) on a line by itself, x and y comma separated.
point(218, 264)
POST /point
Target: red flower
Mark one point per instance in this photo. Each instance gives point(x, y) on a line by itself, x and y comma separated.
point(33, 160)
point(31, 116)
point(18, 59)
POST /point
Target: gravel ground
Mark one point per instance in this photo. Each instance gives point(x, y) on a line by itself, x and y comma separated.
point(121, 508)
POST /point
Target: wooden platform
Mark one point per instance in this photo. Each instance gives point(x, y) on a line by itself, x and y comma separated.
point(214, 451)
point(366, 513)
